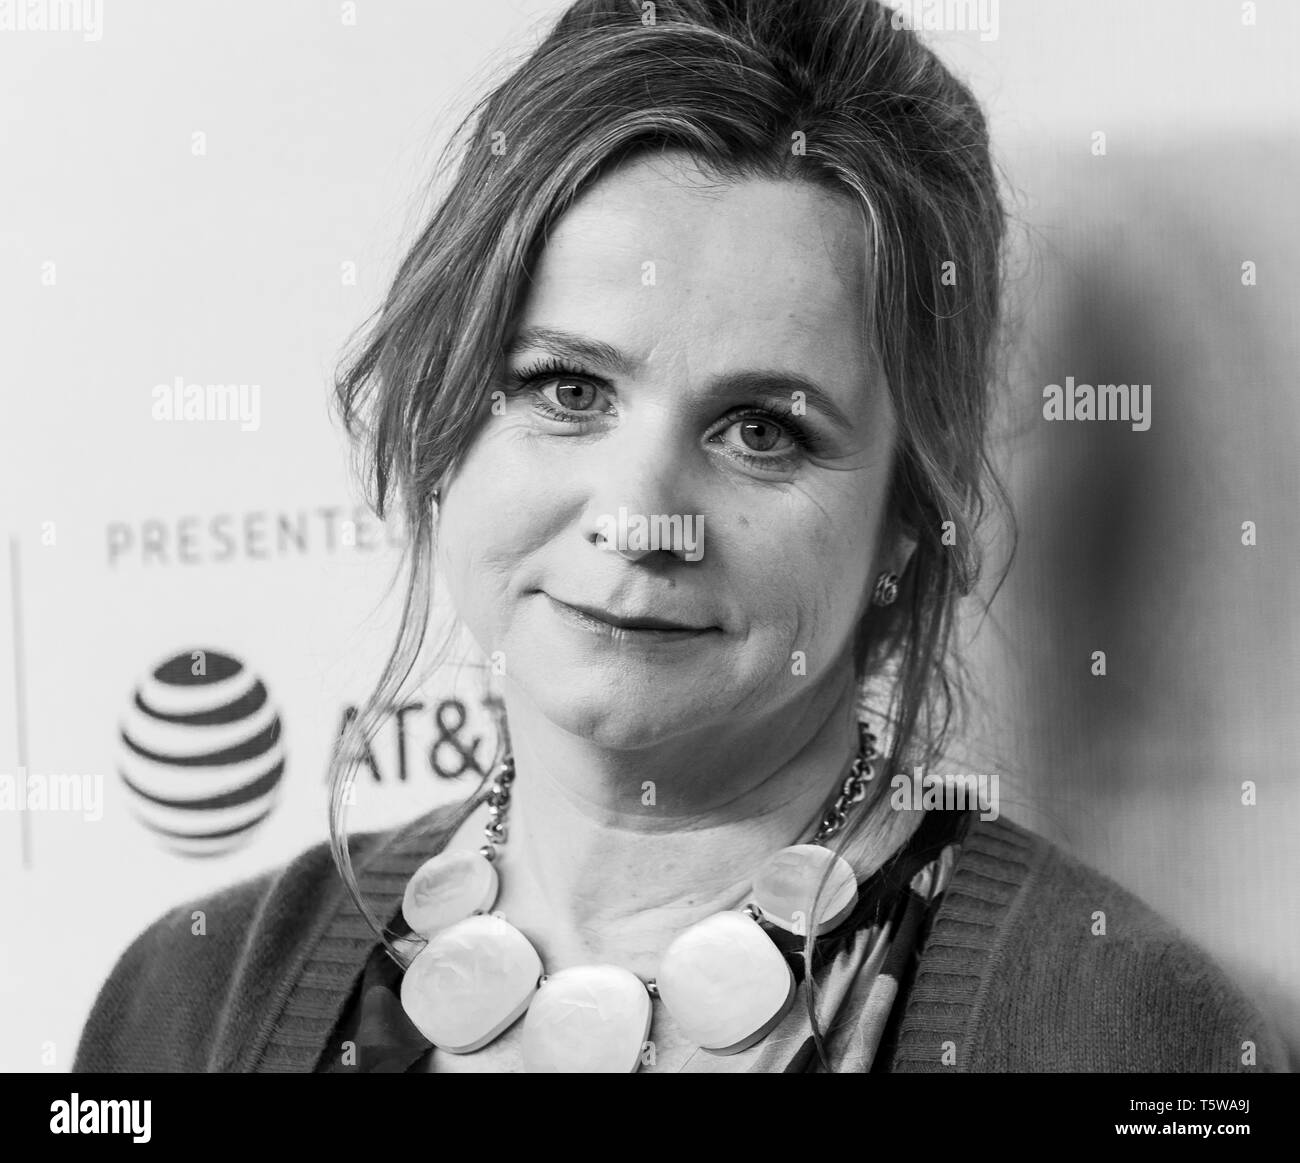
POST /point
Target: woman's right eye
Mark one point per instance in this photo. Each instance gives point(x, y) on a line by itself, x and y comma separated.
point(573, 396)
point(575, 393)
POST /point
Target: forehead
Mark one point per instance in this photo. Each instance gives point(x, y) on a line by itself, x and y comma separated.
point(658, 257)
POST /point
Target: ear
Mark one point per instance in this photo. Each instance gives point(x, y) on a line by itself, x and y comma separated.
point(895, 552)
point(900, 555)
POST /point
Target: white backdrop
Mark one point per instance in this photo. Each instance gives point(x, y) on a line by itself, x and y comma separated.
point(217, 193)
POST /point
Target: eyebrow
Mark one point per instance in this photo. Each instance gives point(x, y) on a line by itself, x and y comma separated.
point(771, 384)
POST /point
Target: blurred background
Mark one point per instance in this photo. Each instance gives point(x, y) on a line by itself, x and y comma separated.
point(217, 193)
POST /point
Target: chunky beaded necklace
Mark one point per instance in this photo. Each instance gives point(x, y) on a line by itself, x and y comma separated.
point(723, 980)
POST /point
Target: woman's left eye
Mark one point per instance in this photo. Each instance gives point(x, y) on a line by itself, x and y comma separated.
point(765, 438)
point(759, 433)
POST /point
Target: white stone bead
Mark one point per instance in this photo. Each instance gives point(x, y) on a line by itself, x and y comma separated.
point(470, 983)
point(725, 983)
point(785, 888)
point(448, 888)
point(590, 1019)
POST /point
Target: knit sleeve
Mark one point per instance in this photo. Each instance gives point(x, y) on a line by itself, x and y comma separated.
point(1090, 978)
point(204, 986)
point(162, 1003)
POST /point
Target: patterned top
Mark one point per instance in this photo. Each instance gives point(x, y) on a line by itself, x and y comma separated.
point(860, 972)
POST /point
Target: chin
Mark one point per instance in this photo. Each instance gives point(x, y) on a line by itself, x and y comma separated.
point(621, 716)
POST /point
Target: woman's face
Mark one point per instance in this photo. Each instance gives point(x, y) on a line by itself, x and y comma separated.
point(687, 317)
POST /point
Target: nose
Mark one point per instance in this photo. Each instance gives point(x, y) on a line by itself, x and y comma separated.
point(610, 541)
point(636, 475)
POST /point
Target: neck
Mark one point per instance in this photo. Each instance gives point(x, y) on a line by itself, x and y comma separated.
point(611, 853)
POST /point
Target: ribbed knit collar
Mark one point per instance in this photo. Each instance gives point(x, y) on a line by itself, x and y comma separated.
point(326, 967)
point(963, 953)
point(963, 948)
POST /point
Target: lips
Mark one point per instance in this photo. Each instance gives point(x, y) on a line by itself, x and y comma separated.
point(631, 621)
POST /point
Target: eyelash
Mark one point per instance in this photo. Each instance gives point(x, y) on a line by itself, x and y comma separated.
point(550, 368)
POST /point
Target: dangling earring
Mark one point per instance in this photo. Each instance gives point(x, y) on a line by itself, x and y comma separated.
point(886, 589)
point(437, 496)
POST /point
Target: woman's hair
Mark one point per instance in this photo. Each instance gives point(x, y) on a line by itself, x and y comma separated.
point(831, 92)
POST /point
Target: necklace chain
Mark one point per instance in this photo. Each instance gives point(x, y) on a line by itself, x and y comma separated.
point(852, 791)
point(854, 788)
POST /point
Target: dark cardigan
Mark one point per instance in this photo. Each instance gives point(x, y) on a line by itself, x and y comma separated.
point(1011, 976)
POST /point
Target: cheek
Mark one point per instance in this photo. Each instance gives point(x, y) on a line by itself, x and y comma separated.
point(806, 575)
point(484, 533)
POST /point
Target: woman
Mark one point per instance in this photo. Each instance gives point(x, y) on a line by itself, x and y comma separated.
point(684, 393)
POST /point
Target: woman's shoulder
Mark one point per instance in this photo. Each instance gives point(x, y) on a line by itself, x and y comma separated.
point(206, 972)
point(1043, 963)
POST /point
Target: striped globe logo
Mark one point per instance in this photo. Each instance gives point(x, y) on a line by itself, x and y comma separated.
point(201, 753)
